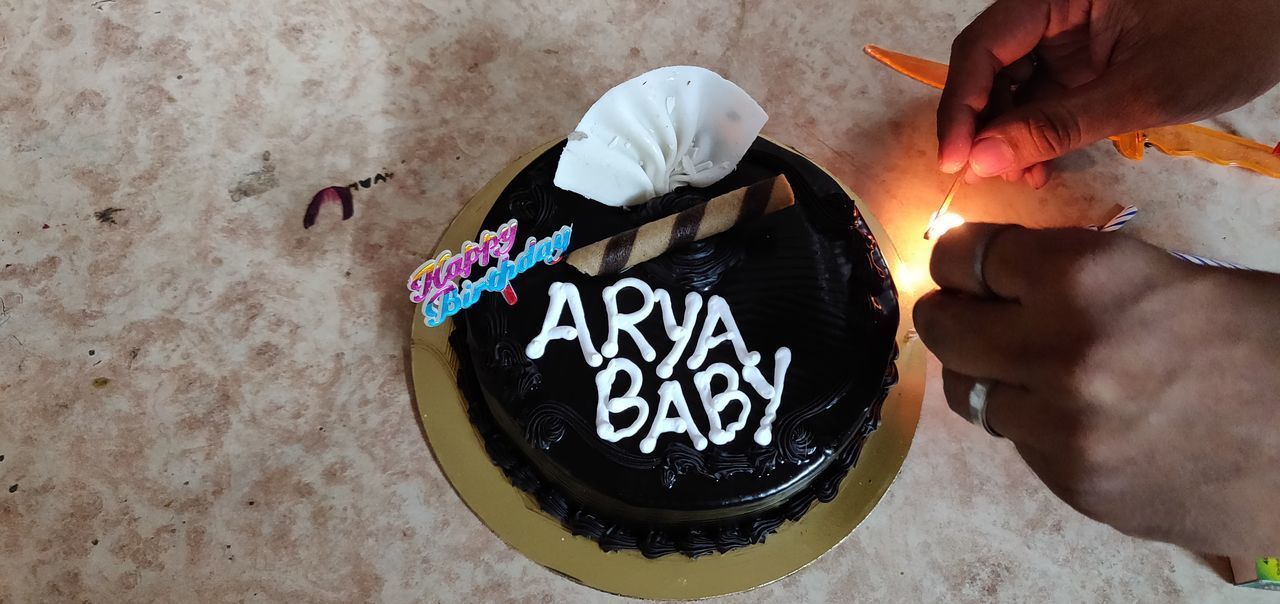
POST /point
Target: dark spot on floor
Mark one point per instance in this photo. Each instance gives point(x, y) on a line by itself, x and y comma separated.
point(179, 76)
point(250, 503)
point(186, 482)
point(95, 542)
point(256, 182)
point(91, 353)
point(101, 382)
point(107, 215)
point(14, 488)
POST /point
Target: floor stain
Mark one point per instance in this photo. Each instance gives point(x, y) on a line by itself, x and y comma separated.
point(257, 182)
point(107, 215)
point(101, 382)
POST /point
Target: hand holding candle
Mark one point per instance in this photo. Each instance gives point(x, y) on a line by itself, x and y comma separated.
point(1141, 389)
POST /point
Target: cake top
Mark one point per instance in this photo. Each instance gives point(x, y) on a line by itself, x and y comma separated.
point(713, 353)
point(814, 316)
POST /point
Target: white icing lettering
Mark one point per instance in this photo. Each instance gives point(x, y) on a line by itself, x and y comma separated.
point(669, 393)
point(605, 406)
point(781, 361)
point(718, 312)
point(559, 294)
point(715, 405)
point(619, 322)
point(723, 424)
point(678, 333)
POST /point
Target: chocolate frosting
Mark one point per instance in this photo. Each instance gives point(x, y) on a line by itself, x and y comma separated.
point(810, 278)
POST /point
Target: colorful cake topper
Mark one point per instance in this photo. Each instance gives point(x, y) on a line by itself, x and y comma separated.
point(435, 283)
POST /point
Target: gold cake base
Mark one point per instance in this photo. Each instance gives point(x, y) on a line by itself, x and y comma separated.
point(516, 519)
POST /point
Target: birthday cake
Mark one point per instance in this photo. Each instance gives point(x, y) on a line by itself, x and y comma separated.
point(680, 391)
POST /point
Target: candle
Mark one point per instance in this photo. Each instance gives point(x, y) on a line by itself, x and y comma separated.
point(1119, 221)
point(1130, 212)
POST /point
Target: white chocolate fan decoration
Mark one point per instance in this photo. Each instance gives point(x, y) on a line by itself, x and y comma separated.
point(670, 127)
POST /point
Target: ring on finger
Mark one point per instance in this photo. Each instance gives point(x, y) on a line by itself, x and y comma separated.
point(980, 253)
point(978, 406)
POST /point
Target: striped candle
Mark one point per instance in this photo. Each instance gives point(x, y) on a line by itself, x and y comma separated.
point(1202, 261)
point(1118, 222)
point(1130, 212)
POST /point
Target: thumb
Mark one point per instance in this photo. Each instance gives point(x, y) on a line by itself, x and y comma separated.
point(1049, 127)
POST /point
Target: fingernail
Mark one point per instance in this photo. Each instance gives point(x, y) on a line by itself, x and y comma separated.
point(951, 166)
point(991, 156)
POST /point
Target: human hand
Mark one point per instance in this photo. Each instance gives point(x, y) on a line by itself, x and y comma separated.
point(1103, 67)
point(1144, 391)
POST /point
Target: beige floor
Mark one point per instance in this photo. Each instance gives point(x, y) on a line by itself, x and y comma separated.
point(203, 401)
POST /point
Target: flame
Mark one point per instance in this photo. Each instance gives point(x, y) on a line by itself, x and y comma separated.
point(912, 279)
point(940, 224)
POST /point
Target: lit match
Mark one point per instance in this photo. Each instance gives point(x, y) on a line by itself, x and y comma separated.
point(939, 225)
point(936, 228)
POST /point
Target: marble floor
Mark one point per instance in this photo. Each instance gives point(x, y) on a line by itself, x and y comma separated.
point(204, 401)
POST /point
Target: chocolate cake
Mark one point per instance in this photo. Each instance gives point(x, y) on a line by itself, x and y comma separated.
point(802, 340)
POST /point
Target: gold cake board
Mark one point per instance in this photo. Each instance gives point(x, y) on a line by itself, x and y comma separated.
point(516, 519)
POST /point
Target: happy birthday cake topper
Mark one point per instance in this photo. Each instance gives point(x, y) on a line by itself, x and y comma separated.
point(435, 283)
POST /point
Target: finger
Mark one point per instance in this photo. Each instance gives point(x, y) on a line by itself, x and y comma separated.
point(1011, 410)
point(1020, 72)
point(999, 101)
point(1038, 175)
point(1012, 175)
point(975, 252)
point(1058, 472)
point(984, 338)
point(1049, 127)
point(1002, 34)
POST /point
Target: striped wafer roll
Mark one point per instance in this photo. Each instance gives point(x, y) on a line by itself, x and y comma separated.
point(648, 241)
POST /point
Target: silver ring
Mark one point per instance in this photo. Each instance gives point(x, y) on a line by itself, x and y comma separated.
point(980, 258)
point(978, 406)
